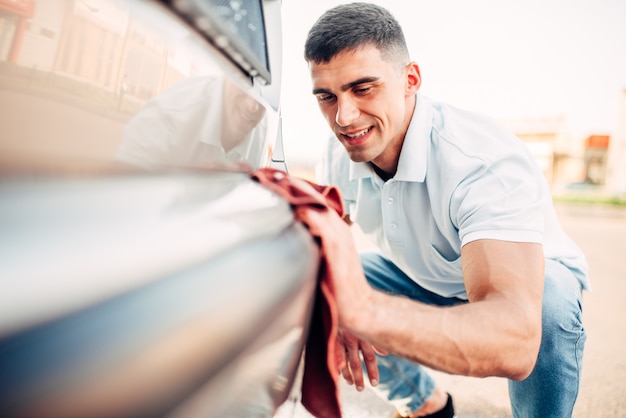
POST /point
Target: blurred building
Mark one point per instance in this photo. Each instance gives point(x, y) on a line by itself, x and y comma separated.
point(559, 156)
point(14, 19)
point(61, 37)
point(597, 159)
point(596, 156)
point(616, 158)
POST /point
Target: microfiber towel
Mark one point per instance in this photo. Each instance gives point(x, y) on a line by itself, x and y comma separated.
point(322, 358)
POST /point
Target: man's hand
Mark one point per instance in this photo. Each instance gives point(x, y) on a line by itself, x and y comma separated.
point(353, 350)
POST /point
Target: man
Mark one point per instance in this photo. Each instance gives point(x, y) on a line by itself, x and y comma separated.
point(474, 276)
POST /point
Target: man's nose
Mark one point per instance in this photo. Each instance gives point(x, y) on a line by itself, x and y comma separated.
point(347, 112)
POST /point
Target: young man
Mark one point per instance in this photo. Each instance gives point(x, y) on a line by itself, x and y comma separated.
point(474, 276)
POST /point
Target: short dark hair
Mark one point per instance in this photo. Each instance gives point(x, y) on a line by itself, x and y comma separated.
point(350, 26)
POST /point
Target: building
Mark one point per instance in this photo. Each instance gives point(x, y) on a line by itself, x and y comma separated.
point(616, 158)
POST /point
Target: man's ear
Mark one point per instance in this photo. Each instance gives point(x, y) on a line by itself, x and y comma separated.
point(413, 78)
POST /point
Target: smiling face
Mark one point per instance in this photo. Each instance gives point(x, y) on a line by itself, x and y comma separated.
point(368, 103)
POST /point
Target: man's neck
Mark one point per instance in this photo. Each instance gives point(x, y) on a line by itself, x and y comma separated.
point(381, 173)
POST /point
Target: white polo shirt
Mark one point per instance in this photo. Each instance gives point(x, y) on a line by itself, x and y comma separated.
point(460, 178)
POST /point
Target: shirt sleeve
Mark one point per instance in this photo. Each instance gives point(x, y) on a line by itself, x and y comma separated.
point(501, 200)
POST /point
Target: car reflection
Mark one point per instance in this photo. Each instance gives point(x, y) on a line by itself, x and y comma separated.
point(193, 124)
point(151, 96)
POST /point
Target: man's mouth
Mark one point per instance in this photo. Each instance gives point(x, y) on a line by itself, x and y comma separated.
point(357, 137)
point(358, 134)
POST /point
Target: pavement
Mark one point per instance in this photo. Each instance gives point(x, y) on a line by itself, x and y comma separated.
point(601, 233)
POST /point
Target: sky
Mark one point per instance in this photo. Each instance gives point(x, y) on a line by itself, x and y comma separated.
point(510, 59)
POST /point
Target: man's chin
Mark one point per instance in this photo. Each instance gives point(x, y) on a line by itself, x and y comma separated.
point(358, 157)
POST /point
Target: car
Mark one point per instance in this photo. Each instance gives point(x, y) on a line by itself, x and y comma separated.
point(144, 272)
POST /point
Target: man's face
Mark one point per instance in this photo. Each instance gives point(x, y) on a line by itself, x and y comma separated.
point(368, 103)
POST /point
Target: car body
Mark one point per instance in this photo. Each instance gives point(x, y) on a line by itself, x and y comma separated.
point(143, 272)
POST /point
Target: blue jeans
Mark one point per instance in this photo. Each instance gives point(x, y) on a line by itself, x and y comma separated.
point(552, 387)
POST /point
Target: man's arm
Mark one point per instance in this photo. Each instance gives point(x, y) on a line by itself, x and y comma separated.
point(497, 334)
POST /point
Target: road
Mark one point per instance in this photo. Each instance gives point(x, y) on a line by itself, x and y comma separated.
point(601, 233)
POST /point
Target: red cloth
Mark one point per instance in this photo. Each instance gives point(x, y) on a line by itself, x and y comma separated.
point(320, 386)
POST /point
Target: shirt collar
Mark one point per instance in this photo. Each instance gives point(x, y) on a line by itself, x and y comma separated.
point(414, 154)
point(360, 170)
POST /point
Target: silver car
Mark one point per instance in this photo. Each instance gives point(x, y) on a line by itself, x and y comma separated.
point(142, 271)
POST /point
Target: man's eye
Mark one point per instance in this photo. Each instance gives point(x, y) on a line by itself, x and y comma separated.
point(322, 98)
point(362, 90)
